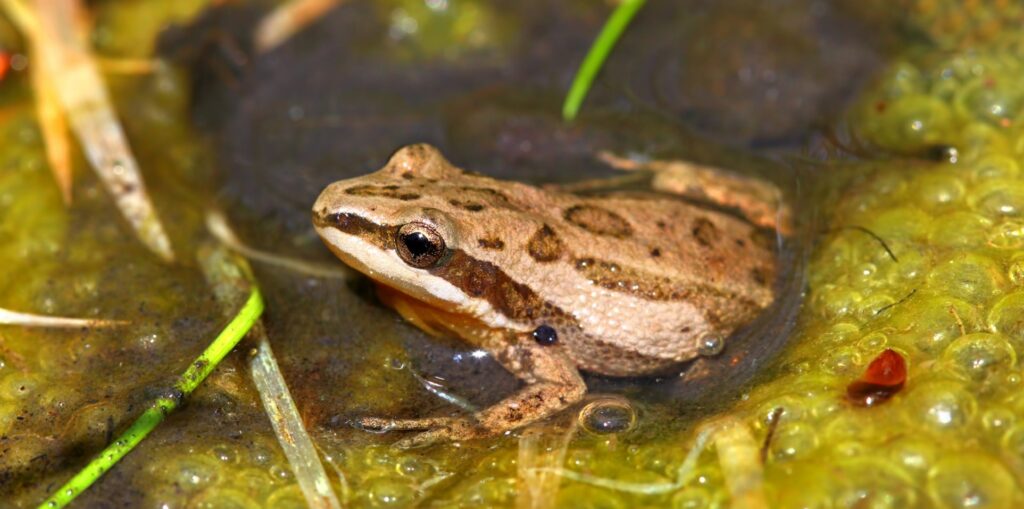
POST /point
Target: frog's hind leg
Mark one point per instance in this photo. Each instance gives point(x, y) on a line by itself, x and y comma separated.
point(616, 183)
point(759, 201)
point(552, 383)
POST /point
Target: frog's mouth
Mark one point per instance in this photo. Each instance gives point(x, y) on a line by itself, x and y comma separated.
point(431, 319)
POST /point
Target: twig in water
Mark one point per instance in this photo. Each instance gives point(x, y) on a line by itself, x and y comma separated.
point(773, 424)
point(8, 317)
point(959, 321)
point(894, 304)
point(872, 234)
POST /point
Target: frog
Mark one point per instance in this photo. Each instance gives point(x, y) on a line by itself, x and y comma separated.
point(550, 282)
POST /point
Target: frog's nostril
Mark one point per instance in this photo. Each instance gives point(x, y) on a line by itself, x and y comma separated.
point(322, 219)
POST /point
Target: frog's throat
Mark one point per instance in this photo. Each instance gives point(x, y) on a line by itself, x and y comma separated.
point(433, 320)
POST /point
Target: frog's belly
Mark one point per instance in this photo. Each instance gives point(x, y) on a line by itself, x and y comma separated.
point(622, 335)
point(602, 358)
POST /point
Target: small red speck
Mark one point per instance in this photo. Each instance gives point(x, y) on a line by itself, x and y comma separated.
point(880, 106)
point(990, 83)
point(5, 64)
point(734, 361)
point(884, 377)
point(1005, 122)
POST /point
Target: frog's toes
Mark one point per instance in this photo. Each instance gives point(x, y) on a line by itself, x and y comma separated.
point(381, 424)
point(454, 430)
point(433, 429)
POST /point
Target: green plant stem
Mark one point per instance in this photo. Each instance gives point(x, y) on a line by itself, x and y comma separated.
point(155, 414)
point(598, 53)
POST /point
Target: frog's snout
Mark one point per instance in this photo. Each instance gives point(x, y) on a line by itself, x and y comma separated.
point(341, 221)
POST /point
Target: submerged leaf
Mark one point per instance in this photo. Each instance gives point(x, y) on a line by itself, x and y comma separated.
point(229, 274)
point(55, 131)
point(288, 19)
point(55, 29)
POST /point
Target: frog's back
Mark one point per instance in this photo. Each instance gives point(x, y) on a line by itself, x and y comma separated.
point(650, 279)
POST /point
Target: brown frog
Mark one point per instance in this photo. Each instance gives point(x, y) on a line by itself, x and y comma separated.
point(549, 282)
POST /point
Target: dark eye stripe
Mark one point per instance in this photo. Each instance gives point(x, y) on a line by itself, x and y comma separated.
point(475, 277)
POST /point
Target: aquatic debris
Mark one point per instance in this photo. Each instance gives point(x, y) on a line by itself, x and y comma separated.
point(444, 394)
point(288, 426)
point(58, 40)
point(740, 460)
point(897, 303)
point(229, 275)
point(883, 378)
point(8, 317)
point(288, 19)
point(54, 128)
point(873, 235)
point(597, 54)
point(684, 474)
point(5, 63)
point(218, 226)
point(738, 457)
point(542, 449)
point(158, 410)
point(52, 123)
point(774, 417)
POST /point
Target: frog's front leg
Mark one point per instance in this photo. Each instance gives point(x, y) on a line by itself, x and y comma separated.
point(552, 383)
point(759, 201)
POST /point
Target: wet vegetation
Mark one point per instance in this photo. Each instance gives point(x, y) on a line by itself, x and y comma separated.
point(897, 134)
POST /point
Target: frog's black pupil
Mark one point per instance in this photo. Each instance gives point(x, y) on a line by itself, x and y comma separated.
point(545, 335)
point(418, 244)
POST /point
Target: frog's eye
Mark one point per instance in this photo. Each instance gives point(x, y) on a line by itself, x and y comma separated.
point(420, 245)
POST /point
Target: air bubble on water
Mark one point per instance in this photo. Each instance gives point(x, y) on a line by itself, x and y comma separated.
point(710, 345)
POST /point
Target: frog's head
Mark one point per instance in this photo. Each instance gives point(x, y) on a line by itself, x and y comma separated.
point(402, 226)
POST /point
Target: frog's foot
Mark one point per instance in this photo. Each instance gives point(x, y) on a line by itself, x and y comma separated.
point(759, 201)
point(552, 384)
point(432, 429)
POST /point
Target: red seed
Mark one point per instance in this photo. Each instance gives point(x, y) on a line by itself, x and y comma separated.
point(884, 377)
point(5, 64)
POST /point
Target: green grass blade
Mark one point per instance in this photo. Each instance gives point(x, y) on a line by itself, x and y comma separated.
point(155, 414)
point(598, 53)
